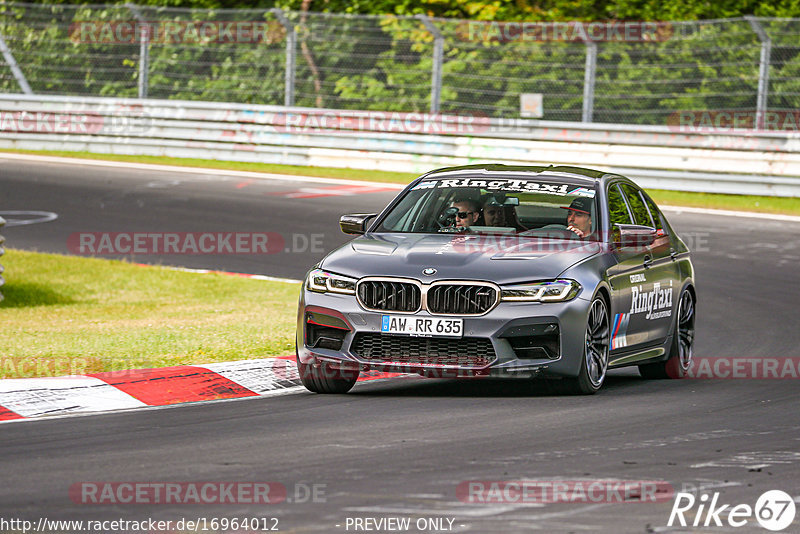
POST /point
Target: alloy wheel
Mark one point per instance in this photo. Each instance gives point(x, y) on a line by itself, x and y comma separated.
point(597, 332)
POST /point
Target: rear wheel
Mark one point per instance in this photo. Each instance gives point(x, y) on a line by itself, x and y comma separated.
point(682, 348)
point(595, 352)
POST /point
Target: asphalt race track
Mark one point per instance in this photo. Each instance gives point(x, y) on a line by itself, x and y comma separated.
point(405, 448)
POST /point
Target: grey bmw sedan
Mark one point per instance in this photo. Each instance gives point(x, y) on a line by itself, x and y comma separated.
point(558, 273)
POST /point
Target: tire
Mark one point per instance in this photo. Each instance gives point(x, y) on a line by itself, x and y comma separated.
point(594, 363)
point(326, 379)
point(682, 349)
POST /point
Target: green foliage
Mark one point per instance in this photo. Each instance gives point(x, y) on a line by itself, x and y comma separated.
point(530, 10)
point(350, 61)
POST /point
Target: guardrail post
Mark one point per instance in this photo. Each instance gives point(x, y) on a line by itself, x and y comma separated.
point(15, 70)
point(588, 81)
point(438, 59)
point(291, 52)
point(2, 251)
point(763, 71)
point(144, 49)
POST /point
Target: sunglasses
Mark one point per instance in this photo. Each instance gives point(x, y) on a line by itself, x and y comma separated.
point(464, 214)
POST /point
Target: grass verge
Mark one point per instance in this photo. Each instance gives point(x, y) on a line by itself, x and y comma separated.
point(762, 204)
point(759, 204)
point(68, 315)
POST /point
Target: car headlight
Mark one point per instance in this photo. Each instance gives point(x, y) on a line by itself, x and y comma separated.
point(549, 291)
point(323, 282)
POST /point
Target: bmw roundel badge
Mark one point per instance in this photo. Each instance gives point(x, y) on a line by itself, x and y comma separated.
point(429, 271)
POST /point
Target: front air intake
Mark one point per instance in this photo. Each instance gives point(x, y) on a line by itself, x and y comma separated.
point(388, 295)
point(461, 299)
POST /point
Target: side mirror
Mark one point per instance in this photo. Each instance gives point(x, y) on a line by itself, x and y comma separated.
point(356, 223)
point(633, 235)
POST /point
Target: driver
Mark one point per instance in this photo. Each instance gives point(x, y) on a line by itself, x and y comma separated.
point(579, 217)
point(468, 212)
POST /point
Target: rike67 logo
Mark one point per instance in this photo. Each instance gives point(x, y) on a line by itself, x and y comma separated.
point(774, 510)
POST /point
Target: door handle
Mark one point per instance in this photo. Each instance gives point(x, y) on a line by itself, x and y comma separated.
point(648, 261)
point(673, 254)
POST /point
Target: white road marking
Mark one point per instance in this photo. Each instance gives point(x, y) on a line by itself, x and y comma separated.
point(754, 460)
point(34, 217)
point(81, 395)
point(259, 376)
point(456, 509)
point(276, 393)
point(33, 397)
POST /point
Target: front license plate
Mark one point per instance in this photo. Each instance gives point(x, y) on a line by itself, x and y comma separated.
point(422, 326)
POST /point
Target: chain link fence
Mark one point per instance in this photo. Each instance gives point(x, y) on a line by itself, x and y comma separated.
point(625, 73)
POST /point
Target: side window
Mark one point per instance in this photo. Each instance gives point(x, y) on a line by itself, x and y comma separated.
point(640, 214)
point(617, 210)
point(657, 219)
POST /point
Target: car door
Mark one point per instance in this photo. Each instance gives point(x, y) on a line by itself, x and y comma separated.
point(653, 292)
point(626, 328)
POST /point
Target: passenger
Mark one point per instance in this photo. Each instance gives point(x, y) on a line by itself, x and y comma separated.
point(494, 214)
point(497, 213)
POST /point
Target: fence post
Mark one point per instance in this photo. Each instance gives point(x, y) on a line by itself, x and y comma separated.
point(144, 49)
point(2, 251)
point(763, 71)
point(15, 70)
point(589, 73)
point(438, 59)
point(291, 51)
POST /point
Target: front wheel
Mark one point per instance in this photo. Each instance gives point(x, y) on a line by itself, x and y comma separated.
point(682, 348)
point(325, 378)
point(595, 352)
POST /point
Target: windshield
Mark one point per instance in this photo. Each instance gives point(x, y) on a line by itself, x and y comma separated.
point(520, 206)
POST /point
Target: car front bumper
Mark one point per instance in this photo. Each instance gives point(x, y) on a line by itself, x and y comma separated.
point(526, 339)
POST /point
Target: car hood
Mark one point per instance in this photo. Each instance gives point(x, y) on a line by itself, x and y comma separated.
point(502, 259)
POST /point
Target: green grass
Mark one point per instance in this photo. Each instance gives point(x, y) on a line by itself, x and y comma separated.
point(764, 204)
point(779, 205)
point(68, 315)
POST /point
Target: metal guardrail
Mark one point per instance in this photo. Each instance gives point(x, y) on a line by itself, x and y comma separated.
point(2, 251)
point(739, 162)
